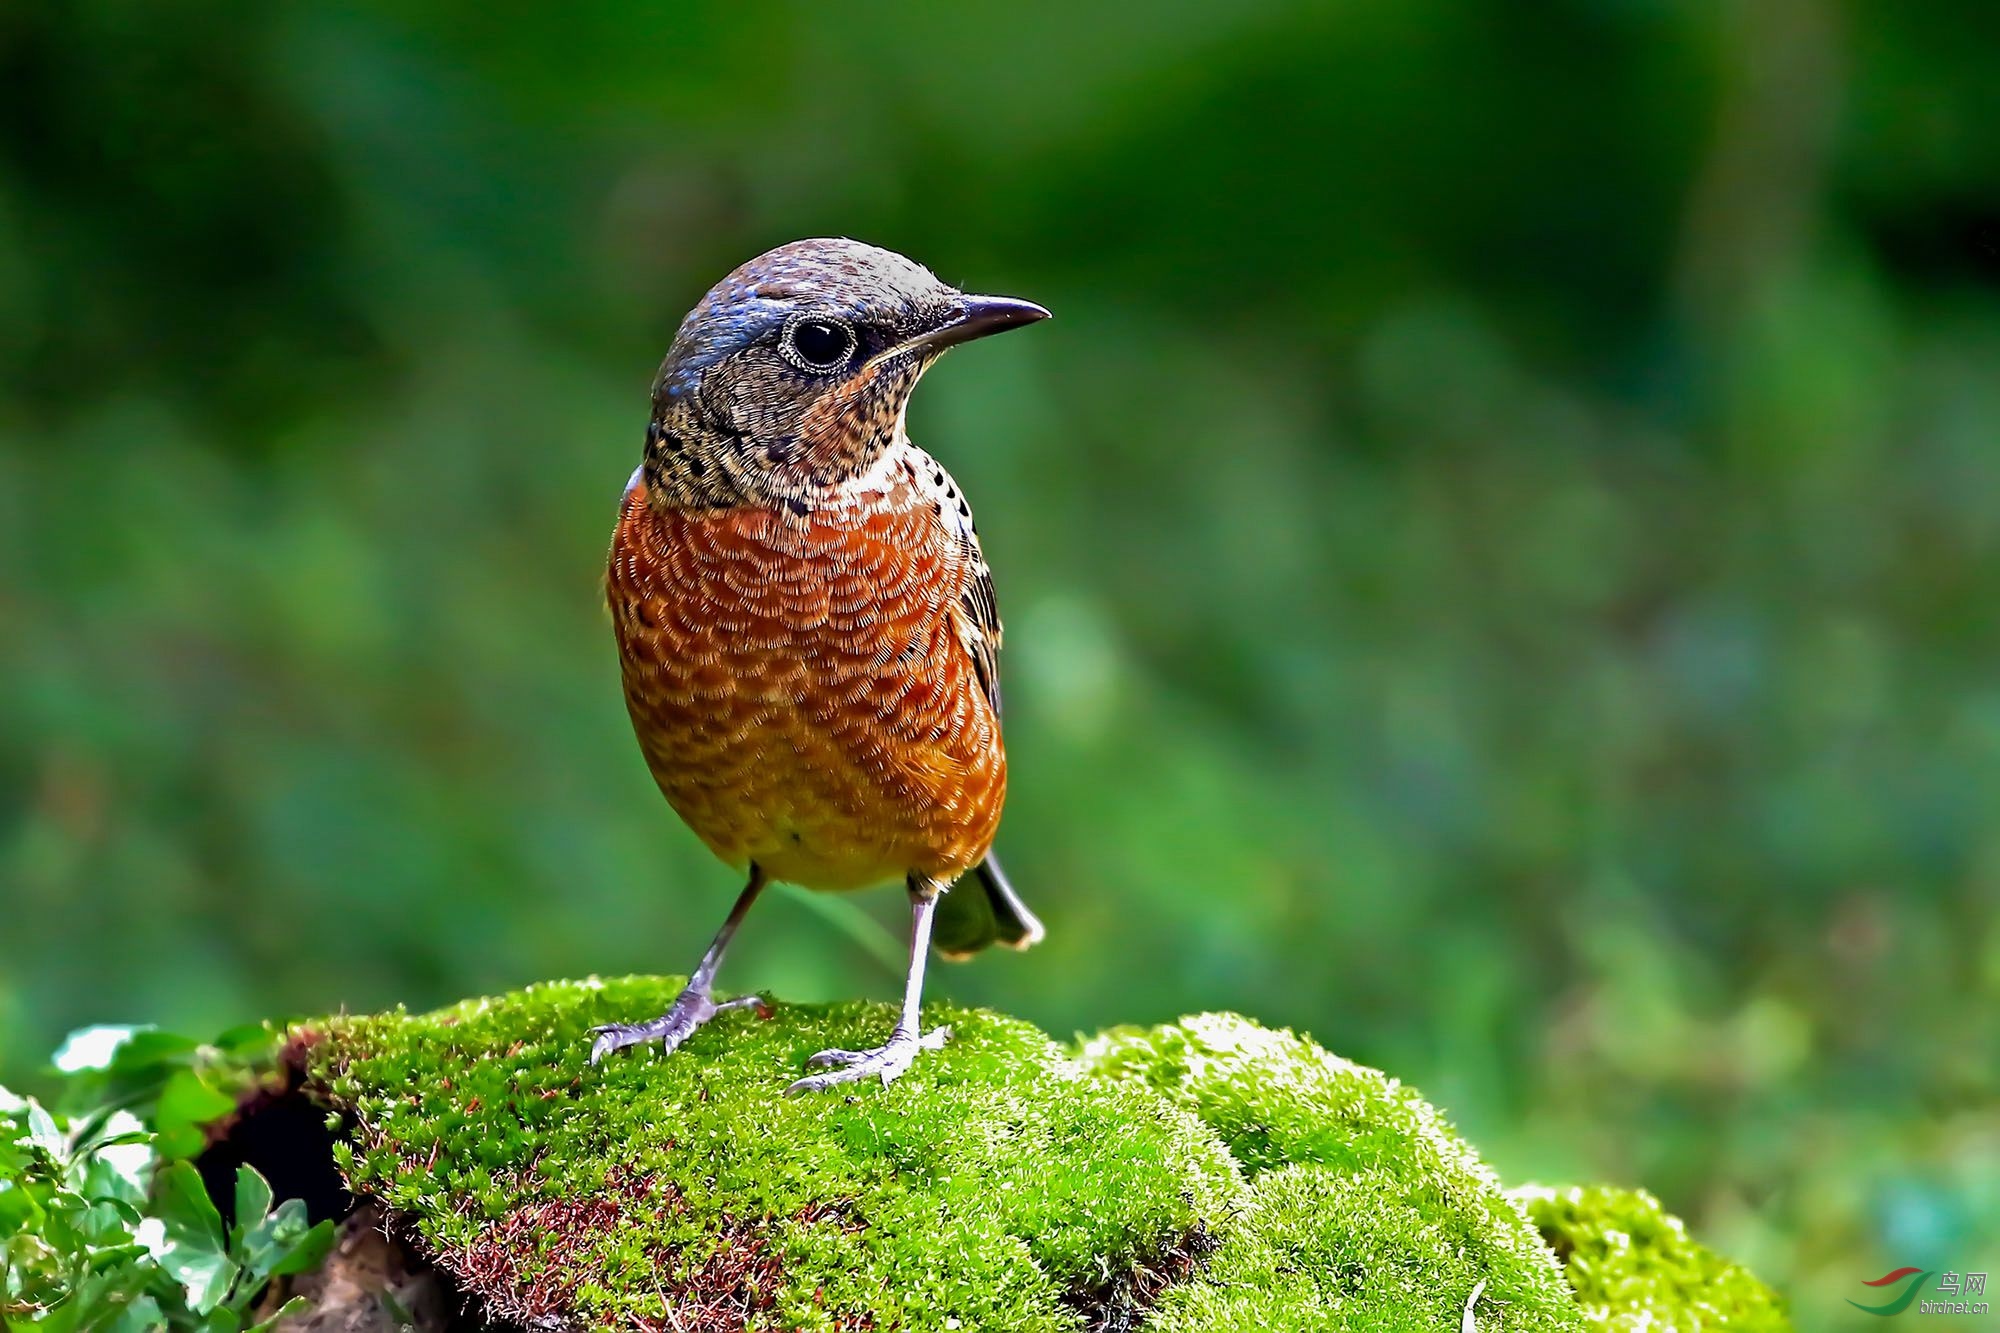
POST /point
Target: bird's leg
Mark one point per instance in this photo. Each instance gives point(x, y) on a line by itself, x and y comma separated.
point(696, 1004)
point(892, 1057)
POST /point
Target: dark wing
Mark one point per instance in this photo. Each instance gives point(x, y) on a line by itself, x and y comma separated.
point(983, 636)
point(988, 911)
point(979, 626)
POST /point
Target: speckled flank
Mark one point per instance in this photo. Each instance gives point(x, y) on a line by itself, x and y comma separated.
point(800, 683)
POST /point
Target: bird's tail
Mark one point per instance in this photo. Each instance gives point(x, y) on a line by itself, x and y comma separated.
point(973, 916)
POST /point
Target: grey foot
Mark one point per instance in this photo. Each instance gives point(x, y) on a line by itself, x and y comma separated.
point(670, 1029)
point(886, 1062)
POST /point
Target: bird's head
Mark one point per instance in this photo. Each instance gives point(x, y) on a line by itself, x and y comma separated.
point(793, 373)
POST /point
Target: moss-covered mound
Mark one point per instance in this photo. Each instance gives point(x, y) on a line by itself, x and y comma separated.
point(1634, 1267)
point(1367, 1211)
point(991, 1184)
point(1210, 1175)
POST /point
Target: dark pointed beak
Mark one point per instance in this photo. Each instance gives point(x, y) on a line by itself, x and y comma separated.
point(978, 316)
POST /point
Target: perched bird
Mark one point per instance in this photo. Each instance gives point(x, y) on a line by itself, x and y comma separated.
point(805, 620)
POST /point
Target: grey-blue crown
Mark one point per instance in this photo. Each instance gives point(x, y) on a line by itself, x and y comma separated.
point(838, 277)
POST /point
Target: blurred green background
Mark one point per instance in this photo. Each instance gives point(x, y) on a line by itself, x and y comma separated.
point(1500, 546)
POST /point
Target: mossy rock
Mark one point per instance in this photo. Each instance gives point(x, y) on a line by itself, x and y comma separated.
point(1635, 1268)
point(1211, 1175)
point(1367, 1210)
point(993, 1183)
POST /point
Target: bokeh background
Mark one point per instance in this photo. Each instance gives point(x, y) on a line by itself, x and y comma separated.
point(1500, 546)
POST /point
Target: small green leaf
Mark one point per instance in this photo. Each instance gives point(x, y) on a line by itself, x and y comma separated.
point(194, 1249)
point(247, 1041)
point(187, 1107)
point(284, 1243)
point(28, 1261)
point(150, 1048)
point(253, 1202)
point(309, 1253)
point(205, 1277)
point(121, 1254)
point(18, 1211)
point(63, 1222)
point(43, 1134)
point(104, 1223)
point(296, 1305)
point(118, 1174)
point(143, 1315)
point(186, 1210)
point(116, 1281)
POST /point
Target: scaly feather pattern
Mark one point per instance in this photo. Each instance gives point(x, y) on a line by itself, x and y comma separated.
point(810, 690)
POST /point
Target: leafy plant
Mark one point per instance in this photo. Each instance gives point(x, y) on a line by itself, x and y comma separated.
point(105, 1223)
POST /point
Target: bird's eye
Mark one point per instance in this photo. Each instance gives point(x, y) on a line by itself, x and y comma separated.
point(818, 343)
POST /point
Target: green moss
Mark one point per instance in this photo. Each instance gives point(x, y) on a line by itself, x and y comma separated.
point(1367, 1210)
point(991, 1184)
point(1201, 1177)
point(1634, 1266)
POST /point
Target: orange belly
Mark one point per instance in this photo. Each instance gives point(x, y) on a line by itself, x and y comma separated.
point(800, 690)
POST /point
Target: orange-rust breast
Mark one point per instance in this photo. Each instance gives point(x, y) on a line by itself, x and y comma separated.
point(801, 686)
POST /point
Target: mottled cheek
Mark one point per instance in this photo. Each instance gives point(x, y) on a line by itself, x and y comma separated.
point(853, 422)
point(766, 402)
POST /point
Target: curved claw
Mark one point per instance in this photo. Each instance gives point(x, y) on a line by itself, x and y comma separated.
point(886, 1062)
point(836, 1057)
point(690, 1010)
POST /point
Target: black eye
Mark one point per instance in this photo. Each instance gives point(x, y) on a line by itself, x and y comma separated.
point(818, 343)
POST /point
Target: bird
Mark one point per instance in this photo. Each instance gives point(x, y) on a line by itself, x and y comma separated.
point(806, 626)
